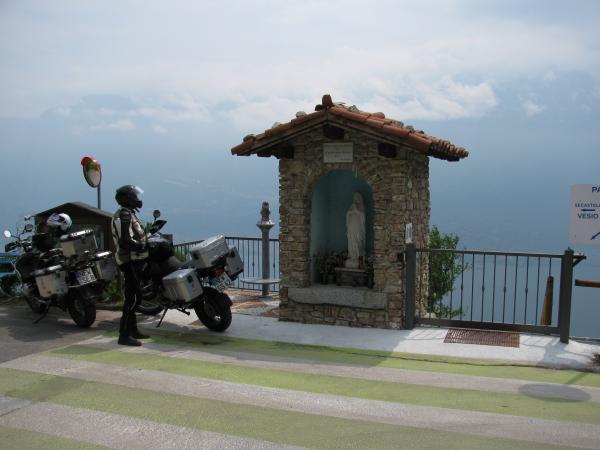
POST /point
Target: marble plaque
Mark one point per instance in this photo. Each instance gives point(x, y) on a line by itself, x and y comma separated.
point(338, 152)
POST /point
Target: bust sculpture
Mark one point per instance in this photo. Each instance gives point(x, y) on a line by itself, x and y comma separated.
point(355, 231)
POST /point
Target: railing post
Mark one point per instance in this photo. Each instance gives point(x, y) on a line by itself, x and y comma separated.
point(265, 226)
point(566, 289)
point(410, 282)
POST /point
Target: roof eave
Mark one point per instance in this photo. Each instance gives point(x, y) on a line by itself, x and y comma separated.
point(395, 135)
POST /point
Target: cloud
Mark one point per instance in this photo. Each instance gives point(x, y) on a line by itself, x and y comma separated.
point(264, 67)
point(178, 184)
point(121, 113)
point(446, 99)
point(531, 108)
point(119, 125)
point(258, 114)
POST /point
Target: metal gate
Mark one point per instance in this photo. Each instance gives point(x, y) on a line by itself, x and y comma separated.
point(507, 291)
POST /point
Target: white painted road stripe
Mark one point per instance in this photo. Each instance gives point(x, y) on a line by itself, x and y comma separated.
point(426, 417)
point(116, 431)
point(422, 378)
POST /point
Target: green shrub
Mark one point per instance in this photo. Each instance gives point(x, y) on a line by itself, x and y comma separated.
point(444, 268)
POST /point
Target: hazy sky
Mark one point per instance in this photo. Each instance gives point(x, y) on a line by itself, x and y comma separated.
point(169, 87)
point(160, 91)
point(255, 61)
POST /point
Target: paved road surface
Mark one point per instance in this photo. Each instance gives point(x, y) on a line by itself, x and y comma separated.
point(19, 336)
point(65, 388)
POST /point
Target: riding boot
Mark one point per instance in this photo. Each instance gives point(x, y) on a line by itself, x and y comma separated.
point(124, 332)
point(133, 328)
point(128, 340)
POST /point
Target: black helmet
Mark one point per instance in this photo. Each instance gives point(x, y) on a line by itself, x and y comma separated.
point(129, 196)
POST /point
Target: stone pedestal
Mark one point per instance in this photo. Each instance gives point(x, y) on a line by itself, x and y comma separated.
point(350, 277)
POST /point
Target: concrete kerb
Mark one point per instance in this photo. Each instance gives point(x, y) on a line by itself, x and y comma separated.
point(534, 350)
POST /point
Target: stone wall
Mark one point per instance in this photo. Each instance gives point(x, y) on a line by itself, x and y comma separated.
point(400, 188)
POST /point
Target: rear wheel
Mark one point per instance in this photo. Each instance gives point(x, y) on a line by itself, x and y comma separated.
point(81, 308)
point(214, 310)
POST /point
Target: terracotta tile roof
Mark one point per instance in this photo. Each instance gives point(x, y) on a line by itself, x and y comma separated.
point(374, 122)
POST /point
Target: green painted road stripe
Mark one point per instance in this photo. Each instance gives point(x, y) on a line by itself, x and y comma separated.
point(446, 380)
point(531, 429)
point(14, 439)
point(272, 425)
point(498, 403)
point(377, 358)
point(118, 431)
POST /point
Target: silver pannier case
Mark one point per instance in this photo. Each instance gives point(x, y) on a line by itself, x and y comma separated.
point(51, 281)
point(182, 284)
point(206, 253)
point(78, 242)
point(235, 265)
point(105, 267)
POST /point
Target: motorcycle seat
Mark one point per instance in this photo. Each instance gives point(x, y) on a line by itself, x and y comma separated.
point(167, 266)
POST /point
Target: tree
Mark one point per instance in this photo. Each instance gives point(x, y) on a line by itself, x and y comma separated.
point(444, 268)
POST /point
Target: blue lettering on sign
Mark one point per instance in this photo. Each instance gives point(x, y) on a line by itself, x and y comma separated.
point(587, 215)
point(596, 189)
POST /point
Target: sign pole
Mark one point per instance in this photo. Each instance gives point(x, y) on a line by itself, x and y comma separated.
point(99, 196)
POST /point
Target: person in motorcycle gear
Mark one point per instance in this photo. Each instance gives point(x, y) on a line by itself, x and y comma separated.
point(131, 252)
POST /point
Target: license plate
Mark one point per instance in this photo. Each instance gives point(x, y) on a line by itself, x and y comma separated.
point(221, 283)
point(85, 276)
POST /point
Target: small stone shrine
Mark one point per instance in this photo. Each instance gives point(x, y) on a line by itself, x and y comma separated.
point(349, 183)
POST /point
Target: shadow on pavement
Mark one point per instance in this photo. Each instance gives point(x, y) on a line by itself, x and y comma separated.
point(19, 336)
point(557, 393)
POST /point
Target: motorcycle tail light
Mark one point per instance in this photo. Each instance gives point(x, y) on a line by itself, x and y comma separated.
point(219, 272)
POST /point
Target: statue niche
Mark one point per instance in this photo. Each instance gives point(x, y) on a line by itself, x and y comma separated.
point(341, 238)
point(356, 232)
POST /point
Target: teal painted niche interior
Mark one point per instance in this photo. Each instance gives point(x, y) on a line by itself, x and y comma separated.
point(330, 200)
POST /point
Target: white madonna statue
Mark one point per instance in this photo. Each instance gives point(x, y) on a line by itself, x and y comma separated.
point(355, 231)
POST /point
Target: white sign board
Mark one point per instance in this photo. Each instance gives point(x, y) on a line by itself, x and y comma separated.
point(338, 152)
point(585, 214)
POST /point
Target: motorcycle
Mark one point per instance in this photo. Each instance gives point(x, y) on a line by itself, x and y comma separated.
point(198, 283)
point(71, 277)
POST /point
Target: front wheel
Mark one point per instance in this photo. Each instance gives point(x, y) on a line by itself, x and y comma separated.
point(81, 308)
point(149, 307)
point(36, 304)
point(10, 286)
point(214, 310)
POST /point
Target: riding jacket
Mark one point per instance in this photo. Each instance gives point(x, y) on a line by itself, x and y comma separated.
point(128, 236)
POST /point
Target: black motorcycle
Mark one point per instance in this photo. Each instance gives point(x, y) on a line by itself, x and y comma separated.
point(71, 276)
point(197, 283)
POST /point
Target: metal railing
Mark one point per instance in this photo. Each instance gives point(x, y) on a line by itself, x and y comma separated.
point(511, 291)
point(251, 253)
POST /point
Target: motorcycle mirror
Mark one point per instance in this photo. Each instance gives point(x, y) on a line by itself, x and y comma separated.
point(28, 228)
point(156, 214)
point(7, 234)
